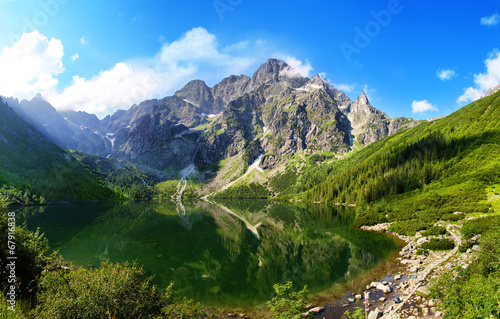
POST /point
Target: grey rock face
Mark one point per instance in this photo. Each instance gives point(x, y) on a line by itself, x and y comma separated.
point(369, 124)
point(228, 90)
point(199, 94)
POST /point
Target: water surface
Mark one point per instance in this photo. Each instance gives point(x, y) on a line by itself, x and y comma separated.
point(222, 254)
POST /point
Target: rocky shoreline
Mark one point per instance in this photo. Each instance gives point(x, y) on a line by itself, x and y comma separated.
point(405, 292)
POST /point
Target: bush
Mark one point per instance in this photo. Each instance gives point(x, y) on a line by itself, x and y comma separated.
point(463, 248)
point(185, 308)
point(111, 291)
point(288, 304)
point(480, 226)
point(434, 231)
point(358, 313)
point(421, 251)
point(452, 217)
point(408, 227)
point(438, 244)
point(32, 252)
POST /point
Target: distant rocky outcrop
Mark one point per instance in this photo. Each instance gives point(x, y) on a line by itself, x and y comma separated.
point(493, 90)
point(369, 124)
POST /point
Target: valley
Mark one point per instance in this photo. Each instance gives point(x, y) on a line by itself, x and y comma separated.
point(228, 190)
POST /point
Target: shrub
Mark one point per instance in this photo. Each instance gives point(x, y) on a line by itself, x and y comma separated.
point(185, 308)
point(408, 227)
point(421, 251)
point(288, 304)
point(358, 313)
point(480, 226)
point(452, 217)
point(438, 244)
point(32, 252)
point(111, 291)
point(434, 231)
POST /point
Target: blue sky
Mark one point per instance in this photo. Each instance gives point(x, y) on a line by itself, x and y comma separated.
point(415, 58)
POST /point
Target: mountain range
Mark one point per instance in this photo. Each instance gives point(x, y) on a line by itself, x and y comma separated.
point(271, 116)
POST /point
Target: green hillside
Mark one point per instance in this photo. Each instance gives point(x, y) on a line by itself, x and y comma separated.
point(416, 176)
point(31, 167)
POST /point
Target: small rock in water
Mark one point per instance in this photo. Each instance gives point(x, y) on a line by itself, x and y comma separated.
point(358, 297)
point(350, 299)
point(317, 309)
point(384, 282)
point(382, 299)
point(397, 277)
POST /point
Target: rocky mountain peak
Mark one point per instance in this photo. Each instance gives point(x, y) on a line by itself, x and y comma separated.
point(276, 71)
point(272, 68)
point(318, 81)
point(197, 93)
point(363, 99)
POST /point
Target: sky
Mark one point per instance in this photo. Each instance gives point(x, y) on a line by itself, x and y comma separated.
point(413, 58)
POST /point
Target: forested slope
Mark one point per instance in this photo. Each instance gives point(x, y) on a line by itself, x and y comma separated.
point(421, 174)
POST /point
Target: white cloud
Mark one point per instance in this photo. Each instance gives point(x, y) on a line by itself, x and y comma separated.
point(236, 47)
point(470, 94)
point(297, 67)
point(445, 74)
point(74, 57)
point(121, 86)
point(83, 40)
point(345, 87)
point(422, 106)
point(194, 55)
point(484, 81)
point(30, 65)
point(491, 20)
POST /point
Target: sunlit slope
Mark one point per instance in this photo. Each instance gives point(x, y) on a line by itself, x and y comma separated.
point(418, 174)
point(29, 162)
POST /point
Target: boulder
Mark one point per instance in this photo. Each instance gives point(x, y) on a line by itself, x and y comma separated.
point(358, 297)
point(423, 291)
point(382, 299)
point(385, 289)
point(375, 314)
point(397, 277)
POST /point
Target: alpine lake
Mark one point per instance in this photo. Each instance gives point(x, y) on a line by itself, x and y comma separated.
point(227, 255)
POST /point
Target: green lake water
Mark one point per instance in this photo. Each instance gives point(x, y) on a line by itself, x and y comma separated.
point(225, 254)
